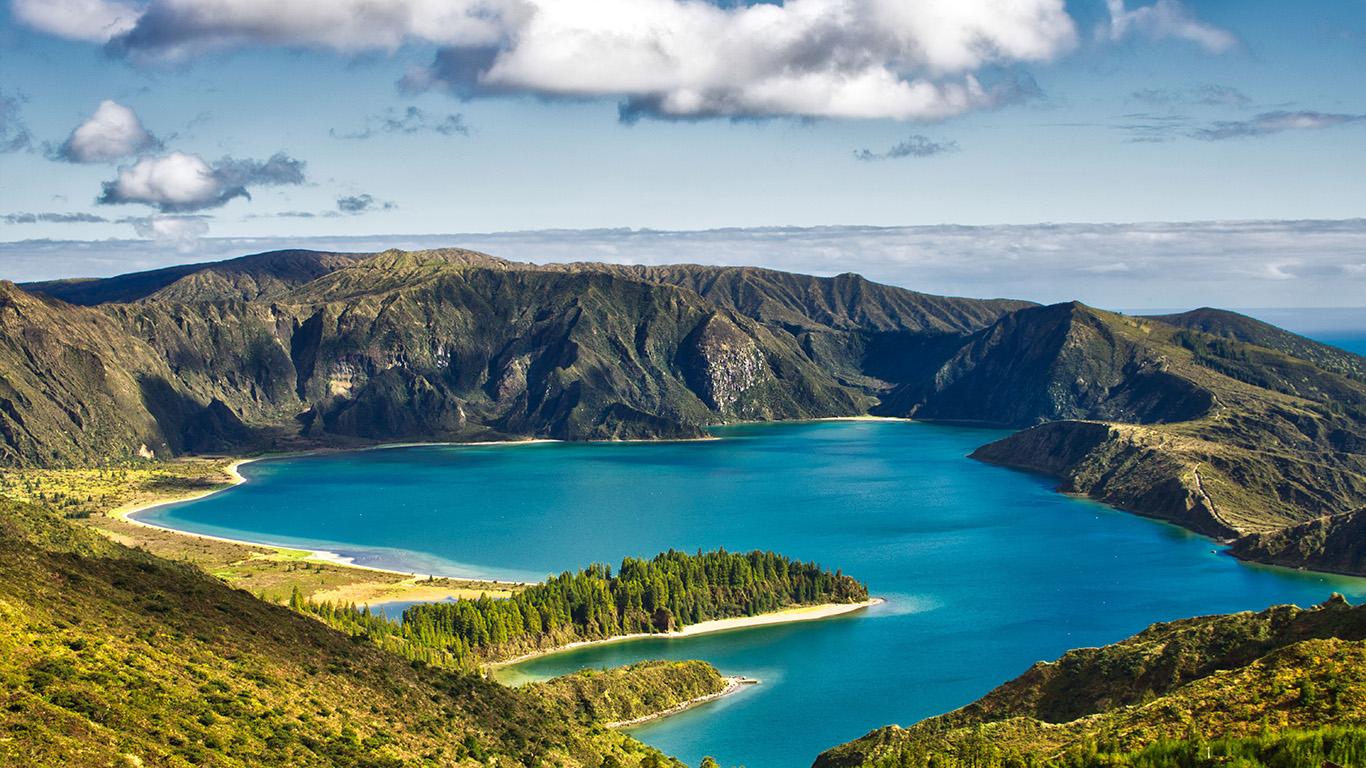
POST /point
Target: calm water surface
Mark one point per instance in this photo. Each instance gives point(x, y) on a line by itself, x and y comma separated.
point(986, 570)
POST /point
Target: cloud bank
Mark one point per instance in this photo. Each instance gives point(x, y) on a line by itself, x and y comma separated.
point(926, 60)
point(179, 182)
point(1157, 265)
point(113, 132)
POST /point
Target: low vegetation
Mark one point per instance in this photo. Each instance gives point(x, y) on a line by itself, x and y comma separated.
point(82, 493)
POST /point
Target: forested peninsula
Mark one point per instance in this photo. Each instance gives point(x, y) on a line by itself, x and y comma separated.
point(666, 593)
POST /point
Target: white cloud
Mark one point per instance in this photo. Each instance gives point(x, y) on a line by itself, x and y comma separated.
point(671, 58)
point(177, 29)
point(113, 132)
point(95, 21)
point(1166, 19)
point(823, 58)
point(179, 182)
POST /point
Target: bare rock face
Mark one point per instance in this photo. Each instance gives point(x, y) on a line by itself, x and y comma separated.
point(397, 403)
point(512, 382)
point(724, 363)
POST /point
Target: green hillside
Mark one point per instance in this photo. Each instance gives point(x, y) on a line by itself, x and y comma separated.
point(1269, 688)
point(109, 656)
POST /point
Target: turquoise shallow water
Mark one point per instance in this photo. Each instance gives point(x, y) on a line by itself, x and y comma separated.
point(986, 570)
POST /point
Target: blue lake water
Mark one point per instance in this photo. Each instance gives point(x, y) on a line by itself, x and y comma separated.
point(985, 570)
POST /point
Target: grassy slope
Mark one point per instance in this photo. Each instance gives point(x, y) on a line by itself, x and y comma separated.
point(109, 656)
point(1238, 676)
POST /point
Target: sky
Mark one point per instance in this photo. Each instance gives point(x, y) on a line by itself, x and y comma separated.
point(1126, 153)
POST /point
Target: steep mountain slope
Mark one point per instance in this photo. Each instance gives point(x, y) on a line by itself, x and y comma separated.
point(279, 348)
point(844, 302)
point(109, 656)
point(1056, 362)
point(75, 386)
point(1240, 675)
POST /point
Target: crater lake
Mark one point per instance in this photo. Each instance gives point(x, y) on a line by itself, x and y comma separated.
point(985, 570)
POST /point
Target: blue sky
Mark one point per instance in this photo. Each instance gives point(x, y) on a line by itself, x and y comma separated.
point(1038, 111)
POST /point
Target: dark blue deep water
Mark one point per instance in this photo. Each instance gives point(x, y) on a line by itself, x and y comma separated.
point(985, 570)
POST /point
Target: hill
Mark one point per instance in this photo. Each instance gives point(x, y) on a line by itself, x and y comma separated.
point(1284, 680)
point(1231, 325)
point(1334, 543)
point(109, 656)
point(292, 348)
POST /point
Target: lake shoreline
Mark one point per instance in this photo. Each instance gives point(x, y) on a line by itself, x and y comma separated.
point(373, 593)
point(129, 512)
point(419, 587)
point(414, 587)
point(734, 685)
point(790, 615)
